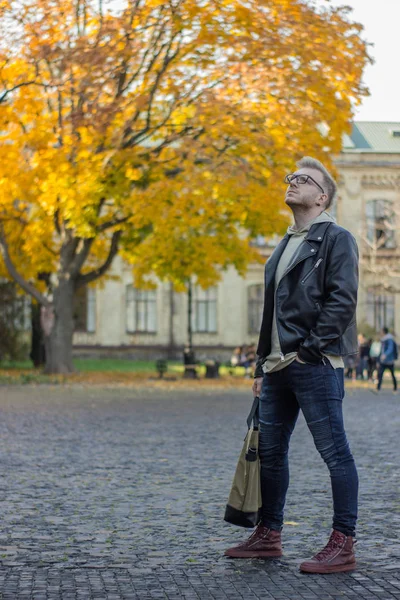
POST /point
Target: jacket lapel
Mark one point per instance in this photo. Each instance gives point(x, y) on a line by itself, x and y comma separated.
point(310, 245)
point(273, 261)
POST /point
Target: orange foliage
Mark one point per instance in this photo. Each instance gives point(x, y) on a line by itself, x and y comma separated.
point(162, 129)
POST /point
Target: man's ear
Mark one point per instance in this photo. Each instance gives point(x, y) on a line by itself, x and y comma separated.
point(323, 199)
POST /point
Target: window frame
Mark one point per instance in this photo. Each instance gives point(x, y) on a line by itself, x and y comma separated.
point(376, 216)
point(383, 309)
point(90, 303)
point(207, 299)
point(140, 299)
point(254, 305)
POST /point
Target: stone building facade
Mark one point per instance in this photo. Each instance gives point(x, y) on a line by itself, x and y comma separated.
point(116, 318)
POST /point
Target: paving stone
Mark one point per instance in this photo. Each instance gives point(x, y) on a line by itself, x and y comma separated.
point(127, 500)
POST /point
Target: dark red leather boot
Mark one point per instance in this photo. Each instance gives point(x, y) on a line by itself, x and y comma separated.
point(337, 556)
point(263, 543)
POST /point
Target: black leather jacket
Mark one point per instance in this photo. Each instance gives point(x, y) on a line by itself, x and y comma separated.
point(316, 298)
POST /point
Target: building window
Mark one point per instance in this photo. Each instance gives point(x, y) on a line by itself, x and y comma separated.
point(380, 310)
point(255, 304)
point(380, 221)
point(141, 310)
point(85, 310)
point(204, 313)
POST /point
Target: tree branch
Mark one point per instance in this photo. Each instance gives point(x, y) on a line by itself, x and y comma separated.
point(80, 257)
point(82, 280)
point(25, 285)
point(5, 94)
point(112, 223)
point(129, 140)
point(19, 85)
point(56, 218)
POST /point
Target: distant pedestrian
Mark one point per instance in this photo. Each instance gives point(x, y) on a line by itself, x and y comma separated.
point(374, 353)
point(363, 356)
point(387, 357)
point(349, 364)
point(236, 357)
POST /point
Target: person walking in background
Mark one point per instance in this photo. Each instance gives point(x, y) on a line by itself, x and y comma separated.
point(349, 363)
point(374, 354)
point(250, 360)
point(308, 325)
point(387, 357)
point(364, 349)
point(360, 339)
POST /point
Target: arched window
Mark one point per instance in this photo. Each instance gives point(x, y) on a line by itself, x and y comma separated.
point(380, 310)
point(255, 303)
point(380, 222)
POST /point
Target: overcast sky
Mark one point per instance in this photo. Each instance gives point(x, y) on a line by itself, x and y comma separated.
point(381, 19)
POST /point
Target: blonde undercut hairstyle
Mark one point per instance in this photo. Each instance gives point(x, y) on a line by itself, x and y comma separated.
point(329, 186)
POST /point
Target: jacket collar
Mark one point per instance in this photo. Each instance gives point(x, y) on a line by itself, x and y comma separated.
point(318, 231)
point(314, 237)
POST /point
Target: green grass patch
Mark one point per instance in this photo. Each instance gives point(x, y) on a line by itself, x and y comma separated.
point(25, 365)
point(120, 365)
point(23, 372)
point(123, 365)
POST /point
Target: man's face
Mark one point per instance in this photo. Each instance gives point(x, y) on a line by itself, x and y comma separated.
point(307, 194)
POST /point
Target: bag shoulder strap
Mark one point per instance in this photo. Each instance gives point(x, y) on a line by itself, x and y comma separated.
point(253, 418)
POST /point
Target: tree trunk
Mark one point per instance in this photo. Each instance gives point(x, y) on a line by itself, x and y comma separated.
point(37, 353)
point(58, 326)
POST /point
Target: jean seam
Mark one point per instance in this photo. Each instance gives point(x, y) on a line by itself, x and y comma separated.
point(346, 479)
point(273, 525)
point(280, 448)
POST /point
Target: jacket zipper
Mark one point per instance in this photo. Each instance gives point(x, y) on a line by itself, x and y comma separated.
point(291, 267)
point(276, 291)
point(319, 261)
point(277, 327)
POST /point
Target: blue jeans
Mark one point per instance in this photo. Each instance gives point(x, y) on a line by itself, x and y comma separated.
point(381, 370)
point(317, 390)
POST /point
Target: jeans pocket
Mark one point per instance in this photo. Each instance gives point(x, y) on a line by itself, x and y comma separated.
point(339, 376)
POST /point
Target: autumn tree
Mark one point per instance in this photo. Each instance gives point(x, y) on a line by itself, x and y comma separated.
point(159, 129)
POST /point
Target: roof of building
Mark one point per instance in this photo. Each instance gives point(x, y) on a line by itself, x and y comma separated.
point(373, 136)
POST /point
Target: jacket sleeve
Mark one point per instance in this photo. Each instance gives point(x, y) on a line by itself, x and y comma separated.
point(339, 307)
point(258, 372)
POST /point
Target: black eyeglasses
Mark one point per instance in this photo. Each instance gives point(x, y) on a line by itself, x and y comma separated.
point(301, 179)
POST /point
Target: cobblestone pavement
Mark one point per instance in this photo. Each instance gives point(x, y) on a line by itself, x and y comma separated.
point(120, 493)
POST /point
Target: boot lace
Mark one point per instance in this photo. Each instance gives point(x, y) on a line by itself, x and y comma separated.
point(257, 532)
point(334, 543)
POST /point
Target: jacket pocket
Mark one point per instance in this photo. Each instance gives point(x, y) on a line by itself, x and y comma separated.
point(315, 267)
point(348, 341)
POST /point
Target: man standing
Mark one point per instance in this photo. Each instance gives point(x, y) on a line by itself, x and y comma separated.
point(308, 325)
point(387, 357)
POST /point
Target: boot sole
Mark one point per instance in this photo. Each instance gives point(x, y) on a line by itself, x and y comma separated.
point(254, 554)
point(321, 570)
